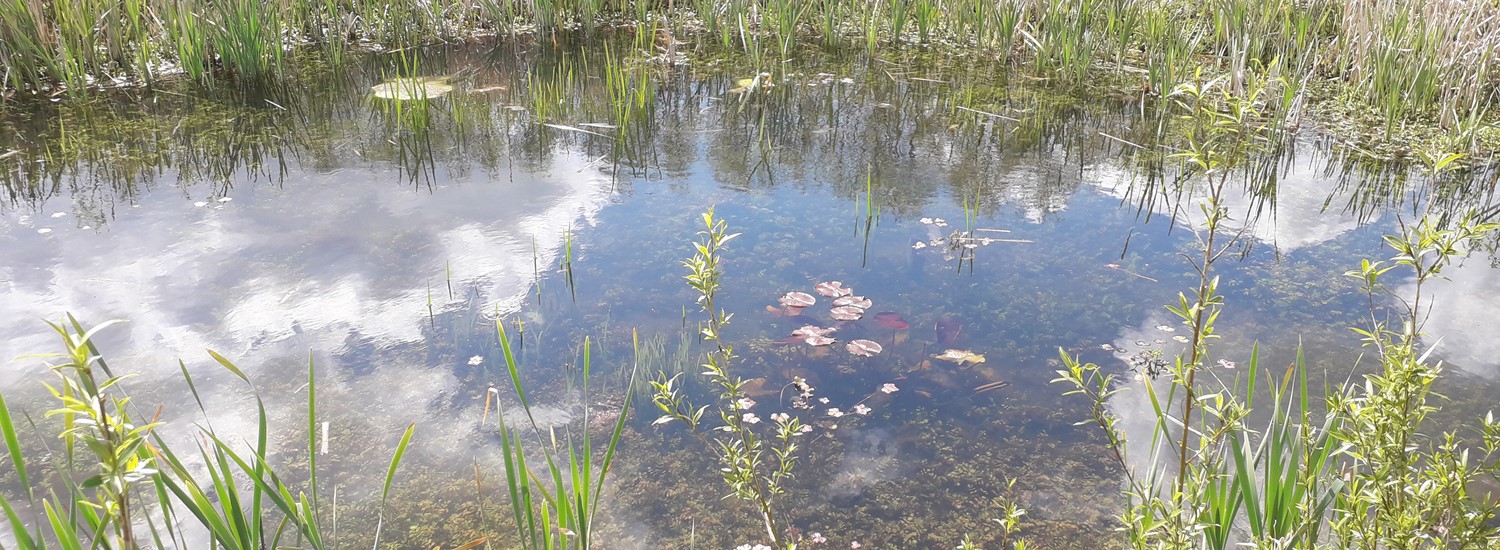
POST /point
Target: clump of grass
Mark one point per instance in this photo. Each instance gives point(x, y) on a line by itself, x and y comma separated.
point(131, 477)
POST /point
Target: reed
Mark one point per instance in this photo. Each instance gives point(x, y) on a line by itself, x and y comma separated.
point(561, 515)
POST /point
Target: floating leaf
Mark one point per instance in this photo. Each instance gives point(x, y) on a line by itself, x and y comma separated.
point(407, 89)
point(891, 320)
point(833, 289)
point(860, 302)
point(811, 330)
point(865, 348)
point(846, 313)
point(817, 340)
point(960, 356)
point(798, 299)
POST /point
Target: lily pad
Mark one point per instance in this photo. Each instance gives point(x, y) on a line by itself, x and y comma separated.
point(407, 89)
point(798, 299)
point(960, 356)
point(891, 320)
point(811, 330)
point(833, 289)
point(816, 340)
point(846, 313)
point(865, 348)
point(860, 302)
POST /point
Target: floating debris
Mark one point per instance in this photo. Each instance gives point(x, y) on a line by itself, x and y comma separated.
point(960, 356)
point(832, 289)
point(798, 300)
point(846, 313)
point(991, 386)
point(860, 302)
point(407, 89)
point(1129, 272)
point(864, 348)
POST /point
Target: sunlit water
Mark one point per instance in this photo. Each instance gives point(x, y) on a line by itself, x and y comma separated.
point(268, 228)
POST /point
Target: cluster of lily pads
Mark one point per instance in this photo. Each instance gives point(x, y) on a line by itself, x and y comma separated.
point(846, 307)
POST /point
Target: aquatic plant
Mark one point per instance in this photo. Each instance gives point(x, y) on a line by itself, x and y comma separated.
point(562, 515)
point(754, 468)
point(131, 477)
point(1359, 474)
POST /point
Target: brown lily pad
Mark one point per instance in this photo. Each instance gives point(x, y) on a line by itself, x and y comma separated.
point(798, 299)
point(864, 348)
point(833, 289)
point(860, 302)
point(846, 313)
point(891, 320)
point(818, 340)
point(811, 330)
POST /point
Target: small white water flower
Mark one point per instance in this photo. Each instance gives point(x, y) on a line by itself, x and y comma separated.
point(889, 388)
point(750, 418)
point(476, 360)
point(835, 412)
point(861, 409)
point(745, 403)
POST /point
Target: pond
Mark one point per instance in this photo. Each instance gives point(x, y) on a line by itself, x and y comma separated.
point(991, 216)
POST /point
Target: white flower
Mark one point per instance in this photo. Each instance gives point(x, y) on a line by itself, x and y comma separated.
point(823, 400)
point(861, 409)
point(854, 544)
point(780, 417)
point(817, 537)
point(835, 412)
point(476, 360)
point(745, 403)
point(750, 418)
point(889, 388)
point(805, 429)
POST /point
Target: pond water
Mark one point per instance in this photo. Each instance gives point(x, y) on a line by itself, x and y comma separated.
point(313, 219)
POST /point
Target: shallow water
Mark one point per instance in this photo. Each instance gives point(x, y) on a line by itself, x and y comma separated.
point(309, 219)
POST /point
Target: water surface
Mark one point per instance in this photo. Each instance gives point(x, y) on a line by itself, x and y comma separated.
point(312, 220)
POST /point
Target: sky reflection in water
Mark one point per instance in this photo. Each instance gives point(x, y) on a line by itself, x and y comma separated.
point(341, 239)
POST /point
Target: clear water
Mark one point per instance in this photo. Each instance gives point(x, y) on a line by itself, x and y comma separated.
point(306, 220)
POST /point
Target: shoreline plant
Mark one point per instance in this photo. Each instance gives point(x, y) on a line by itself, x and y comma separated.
point(1355, 473)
